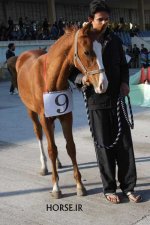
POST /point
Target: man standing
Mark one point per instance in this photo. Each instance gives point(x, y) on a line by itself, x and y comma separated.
point(10, 53)
point(136, 53)
point(143, 56)
point(103, 111)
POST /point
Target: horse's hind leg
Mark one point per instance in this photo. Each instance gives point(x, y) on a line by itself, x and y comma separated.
point(58, 163)
point(66, 122)
point(39, 134)
point(48, 127)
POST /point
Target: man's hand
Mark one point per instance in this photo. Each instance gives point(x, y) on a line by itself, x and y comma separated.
point(124, 89)
point(85, 81)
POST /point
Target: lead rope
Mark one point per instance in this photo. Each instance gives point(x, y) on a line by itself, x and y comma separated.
point(120, 104)
point(131, 124)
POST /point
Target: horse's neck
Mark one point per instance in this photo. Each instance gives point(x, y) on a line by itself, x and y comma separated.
point(58, 64)
point(57, 77)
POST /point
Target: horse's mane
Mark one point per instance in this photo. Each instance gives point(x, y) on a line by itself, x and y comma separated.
point(64, 41)
point(70, 29)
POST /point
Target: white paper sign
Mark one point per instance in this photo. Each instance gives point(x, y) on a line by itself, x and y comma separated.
point(57, 103)
point(128, 58)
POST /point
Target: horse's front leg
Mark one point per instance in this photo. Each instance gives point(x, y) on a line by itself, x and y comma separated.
point(58, 162)
point(48, 127)
point(66, 122)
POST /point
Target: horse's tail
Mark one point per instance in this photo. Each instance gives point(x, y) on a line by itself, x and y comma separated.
point(11, 65)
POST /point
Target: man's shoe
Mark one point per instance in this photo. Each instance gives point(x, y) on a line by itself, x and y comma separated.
point(133, 197)
point(15, 91)
point(112, 197)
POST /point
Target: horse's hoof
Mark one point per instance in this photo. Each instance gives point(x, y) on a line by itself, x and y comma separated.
point(81, 192)
point(44, 172)
point(59, 165)
point(56, 194)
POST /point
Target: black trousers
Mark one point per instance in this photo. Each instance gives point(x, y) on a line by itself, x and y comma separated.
point(105, 128)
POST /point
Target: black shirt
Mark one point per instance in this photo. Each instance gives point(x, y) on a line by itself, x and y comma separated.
point(9, 54)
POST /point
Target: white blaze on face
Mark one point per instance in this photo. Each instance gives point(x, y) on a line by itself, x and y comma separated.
point(103, 82)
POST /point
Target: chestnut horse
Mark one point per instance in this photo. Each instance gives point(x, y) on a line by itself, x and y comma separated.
point(48, 73)
point(11, 65)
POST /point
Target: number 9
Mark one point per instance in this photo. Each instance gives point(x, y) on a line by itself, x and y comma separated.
point(65, 103)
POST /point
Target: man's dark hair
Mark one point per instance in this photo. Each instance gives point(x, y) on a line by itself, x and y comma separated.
point(10, 45)
point(98, 6)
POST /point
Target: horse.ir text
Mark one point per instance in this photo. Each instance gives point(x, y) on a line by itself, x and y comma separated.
point(64, 207)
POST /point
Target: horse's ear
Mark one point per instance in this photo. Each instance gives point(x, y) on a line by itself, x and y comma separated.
point(89, 31)
point(87, 27)
point(69, 28)
point(45, 48)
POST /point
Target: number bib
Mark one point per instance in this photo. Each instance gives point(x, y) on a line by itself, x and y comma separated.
point(57, 103)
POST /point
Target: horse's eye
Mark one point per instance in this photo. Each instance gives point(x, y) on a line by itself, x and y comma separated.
point(87, 53)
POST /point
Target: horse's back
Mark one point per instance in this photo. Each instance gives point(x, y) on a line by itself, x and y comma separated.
point(27, 58)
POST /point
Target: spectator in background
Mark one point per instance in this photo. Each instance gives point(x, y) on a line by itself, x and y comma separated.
point(27, 26)
point(21, 30)
point(60, 27)
point(130, 54)
point(143, 49)
point(135, 53)
point(10, 23)
point(121, 25)
point(54, 32)
point(148, 58)
point(143, 56)
point(45, 27)
point(20, 23)
point(10, 28)
point(3, 30)
point(10, 53)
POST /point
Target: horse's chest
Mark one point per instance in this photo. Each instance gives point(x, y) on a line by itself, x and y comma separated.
point(57, 103)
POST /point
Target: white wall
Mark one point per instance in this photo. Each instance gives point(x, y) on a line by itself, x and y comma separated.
point(22, 46)
point(138, 41)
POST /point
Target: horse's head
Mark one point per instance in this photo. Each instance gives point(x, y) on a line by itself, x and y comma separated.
point(88, 58)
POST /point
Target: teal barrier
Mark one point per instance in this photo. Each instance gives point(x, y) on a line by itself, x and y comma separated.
point(139, 93)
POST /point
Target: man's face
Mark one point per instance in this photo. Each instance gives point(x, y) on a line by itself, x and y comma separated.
point(100, 21)
point(13, 48)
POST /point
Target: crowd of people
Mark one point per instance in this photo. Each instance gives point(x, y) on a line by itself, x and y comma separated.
point(140, 57)
point(26, 29)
